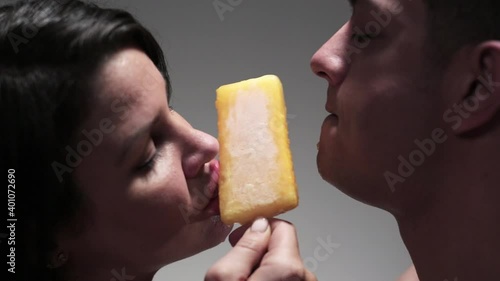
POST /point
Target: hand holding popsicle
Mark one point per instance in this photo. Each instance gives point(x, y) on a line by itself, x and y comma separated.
point(257, 180)
point(267, 250)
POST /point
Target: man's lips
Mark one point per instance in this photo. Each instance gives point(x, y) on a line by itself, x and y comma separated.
point(330, 122)
point(332, 119)
point(328, 128)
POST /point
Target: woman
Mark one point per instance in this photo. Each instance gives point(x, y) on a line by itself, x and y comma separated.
point(110, 179)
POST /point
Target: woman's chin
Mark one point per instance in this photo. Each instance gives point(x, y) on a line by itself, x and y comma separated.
point(201, 236)
point(212, 233)
point(217, 229)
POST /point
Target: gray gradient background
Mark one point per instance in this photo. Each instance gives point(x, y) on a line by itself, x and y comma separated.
point(279, 37)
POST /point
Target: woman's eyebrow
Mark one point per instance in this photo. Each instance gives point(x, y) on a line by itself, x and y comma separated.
point(134, 137)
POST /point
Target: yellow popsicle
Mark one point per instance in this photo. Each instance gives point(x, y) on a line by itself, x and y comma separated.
point(257, 177)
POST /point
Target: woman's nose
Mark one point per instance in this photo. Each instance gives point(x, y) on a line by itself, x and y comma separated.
point(199, 149)
point(331, 61)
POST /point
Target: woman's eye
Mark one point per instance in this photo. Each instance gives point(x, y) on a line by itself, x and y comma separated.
point(150, 164)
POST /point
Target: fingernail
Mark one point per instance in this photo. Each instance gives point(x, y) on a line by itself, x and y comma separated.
point(260, 225)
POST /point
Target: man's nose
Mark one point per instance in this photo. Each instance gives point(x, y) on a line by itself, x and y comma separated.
point(330, 61)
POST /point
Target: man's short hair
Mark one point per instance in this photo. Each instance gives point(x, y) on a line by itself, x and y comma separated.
point(453, 24)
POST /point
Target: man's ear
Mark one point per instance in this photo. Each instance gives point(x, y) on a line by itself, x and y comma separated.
point(480, 102)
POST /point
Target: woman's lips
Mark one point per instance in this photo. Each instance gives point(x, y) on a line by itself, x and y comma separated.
point(212, 188)
point(212, 209)
point(213, 183)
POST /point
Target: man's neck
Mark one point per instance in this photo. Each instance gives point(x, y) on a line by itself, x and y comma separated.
point(458, 237)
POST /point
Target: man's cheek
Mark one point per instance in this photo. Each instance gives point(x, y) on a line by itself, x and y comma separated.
point(365, 120)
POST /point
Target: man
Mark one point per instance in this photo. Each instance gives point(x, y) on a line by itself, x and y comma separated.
point(409, 275)
point(415, 127)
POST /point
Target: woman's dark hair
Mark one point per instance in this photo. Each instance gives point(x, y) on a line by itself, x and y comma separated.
point(50, 52)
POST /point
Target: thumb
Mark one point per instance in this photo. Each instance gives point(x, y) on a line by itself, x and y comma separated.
point(239, 262)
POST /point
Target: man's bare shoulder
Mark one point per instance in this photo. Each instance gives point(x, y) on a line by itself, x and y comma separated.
point(409, 275)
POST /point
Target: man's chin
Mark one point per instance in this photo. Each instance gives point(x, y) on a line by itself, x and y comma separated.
point(339, 180)
point(326, 167)
point(349, 183)
point(331, 178)
point(367, 194)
